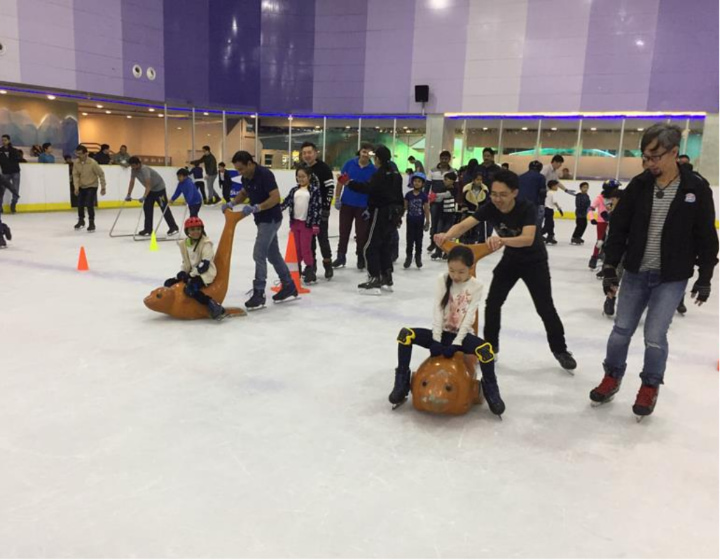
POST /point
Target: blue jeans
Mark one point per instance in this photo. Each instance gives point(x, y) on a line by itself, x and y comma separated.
point(637, 292)
point(267, 249)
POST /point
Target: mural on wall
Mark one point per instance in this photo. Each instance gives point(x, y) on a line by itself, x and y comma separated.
point(30, 122)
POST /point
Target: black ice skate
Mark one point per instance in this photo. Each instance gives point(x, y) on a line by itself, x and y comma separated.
point(437, 255)
point(645, 401)
point(173, 231)
point(3, 243)
point(609, 307)
point(593, 263)
point(91, 226)
point(418, 260)
point(371, 287)
point(401, 390)
point(327, 265)
point(361, 262)
point(256, 301)
point(80, 225)
point(492, 395)
point(145, 233)
point(339, 262)
point(5, 230)
point(550, 240)
point(217, 311)
point(288, 292)
point(566, 361)
point(605, 392)
point(309, 276)
point(387, 281)
point(575, 241)
point(408, 262)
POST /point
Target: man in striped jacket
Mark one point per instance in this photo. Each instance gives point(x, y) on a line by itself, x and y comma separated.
point(663, 226)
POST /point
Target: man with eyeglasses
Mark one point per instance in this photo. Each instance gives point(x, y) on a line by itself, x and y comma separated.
point(525, 258)
point(662, 227)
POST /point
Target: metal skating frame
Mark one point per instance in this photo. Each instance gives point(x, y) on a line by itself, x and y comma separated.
point(122, 207)
point(137, 237)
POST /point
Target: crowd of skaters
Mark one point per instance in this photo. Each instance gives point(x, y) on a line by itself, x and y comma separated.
point(482, 202)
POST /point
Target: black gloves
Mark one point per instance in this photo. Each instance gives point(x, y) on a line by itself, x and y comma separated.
point(203, 266)
point(700, 291)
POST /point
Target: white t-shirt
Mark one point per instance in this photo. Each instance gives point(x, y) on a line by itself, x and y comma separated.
point(550, 174)
point(301, 202)
point(551, 200)
point(458, 315)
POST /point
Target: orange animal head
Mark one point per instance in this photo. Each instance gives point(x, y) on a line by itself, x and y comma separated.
point(172, 301)
point(445, 386)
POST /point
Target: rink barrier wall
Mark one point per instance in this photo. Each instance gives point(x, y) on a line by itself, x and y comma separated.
point(46, 188)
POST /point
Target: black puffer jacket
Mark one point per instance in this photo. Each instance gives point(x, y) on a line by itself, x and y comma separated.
point(384, 188)
point(689, 237)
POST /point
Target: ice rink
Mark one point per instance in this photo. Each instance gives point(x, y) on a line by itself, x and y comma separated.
point(125, 433)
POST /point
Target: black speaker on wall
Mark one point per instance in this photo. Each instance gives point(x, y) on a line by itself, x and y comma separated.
point(422, 94)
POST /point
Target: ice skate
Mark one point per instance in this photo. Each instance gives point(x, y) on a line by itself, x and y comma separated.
point(401, 390)
point(287, 293)
point(327, 265)
point(408, 262)
point(339, 262)
point(645, 401)
point(566, 361)
point(371, 287)
point(309, 276)
point(491, 392)
point(80, 225)
point(217, 311)
point(605, 392)
point(256, 301)
point(91, 225)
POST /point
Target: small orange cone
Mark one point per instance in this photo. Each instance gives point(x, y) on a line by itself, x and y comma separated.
point(82, 260)
point(291, 259)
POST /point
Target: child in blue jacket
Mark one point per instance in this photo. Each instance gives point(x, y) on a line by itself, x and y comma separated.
point(189, 191)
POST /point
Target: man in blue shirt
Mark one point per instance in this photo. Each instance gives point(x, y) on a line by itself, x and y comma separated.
point(533, 188)
point(352, 206)
point(258, 184)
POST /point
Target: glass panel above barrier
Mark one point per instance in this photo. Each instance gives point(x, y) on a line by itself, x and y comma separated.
point(410, 142)
point(519, 140)
point(273, 142)
point(341, 141)
point(600, 141)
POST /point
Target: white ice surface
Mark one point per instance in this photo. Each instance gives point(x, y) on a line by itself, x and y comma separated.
point(126, 433)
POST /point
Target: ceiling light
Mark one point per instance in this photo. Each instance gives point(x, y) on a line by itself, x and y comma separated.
point(317, 126)
point(151, 109)
point(593, 129)
point(84, 114)
point(405, 127)
point(640, 129)
point(179, 127)
point(524, 127)
point(206, 113)
point(485, 127)
point(640, 43)
point(99, 106)
point(347, 127)
point(3, 91)
point(209, 134)
point(161, 115)
point(129, 116)
point(51, 97)
point(108, 112)
point(554, 128)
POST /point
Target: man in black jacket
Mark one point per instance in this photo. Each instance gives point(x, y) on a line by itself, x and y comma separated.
point(662, 227)
point(10, 169)
point(321, 170)
point(211, 171)
point(385, 204)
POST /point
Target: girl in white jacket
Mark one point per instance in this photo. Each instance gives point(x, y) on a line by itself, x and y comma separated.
point(198, 269)
point(456, 302)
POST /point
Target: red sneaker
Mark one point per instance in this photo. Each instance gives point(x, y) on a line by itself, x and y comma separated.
point(606, 390)
point(645, 400)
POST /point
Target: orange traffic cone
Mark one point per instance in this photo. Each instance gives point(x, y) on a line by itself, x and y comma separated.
point(291, 259)
point(82, 260)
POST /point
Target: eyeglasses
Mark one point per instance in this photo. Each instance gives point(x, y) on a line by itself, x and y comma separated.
point(653, 159)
